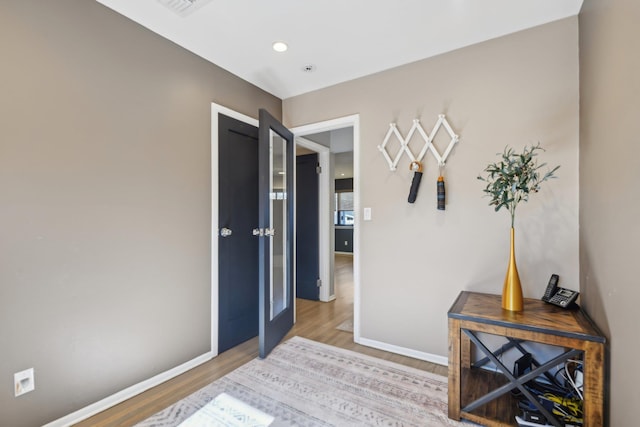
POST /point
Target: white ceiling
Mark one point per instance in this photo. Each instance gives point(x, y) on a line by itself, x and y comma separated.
point(342, 39)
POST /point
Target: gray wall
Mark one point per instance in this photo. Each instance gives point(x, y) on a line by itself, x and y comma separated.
point(609, 190)
point(516, 90)
point(104, 203)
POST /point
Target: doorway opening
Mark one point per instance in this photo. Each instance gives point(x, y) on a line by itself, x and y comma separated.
point(338, 141)
point(349, 125)
point(263, 221)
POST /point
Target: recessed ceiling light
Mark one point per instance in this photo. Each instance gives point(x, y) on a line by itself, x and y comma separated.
point(280, 46)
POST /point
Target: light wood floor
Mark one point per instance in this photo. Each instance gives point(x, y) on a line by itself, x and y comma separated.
point(315, 320)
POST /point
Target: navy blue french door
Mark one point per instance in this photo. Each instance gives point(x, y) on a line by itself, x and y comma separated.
point(275, 231)
point(237, 247)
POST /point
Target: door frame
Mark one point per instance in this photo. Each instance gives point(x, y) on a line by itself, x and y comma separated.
point(215, 233)
point(299, 132)
point(352, 121)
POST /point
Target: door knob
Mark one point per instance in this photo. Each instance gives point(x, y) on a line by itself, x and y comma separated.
point(264, 232)
point(225, 232)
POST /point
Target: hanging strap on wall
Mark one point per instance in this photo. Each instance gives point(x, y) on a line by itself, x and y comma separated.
point(415, 182)
point(440, 191)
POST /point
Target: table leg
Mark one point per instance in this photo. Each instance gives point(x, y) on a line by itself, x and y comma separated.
point(593, 385)
point(454, 369)
point(465, 352)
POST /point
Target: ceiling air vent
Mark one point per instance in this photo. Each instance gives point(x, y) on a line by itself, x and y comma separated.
point(184, 7)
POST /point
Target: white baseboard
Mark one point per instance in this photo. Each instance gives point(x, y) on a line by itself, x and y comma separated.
point(134, 390)
point(428, 357)
point(127, 393)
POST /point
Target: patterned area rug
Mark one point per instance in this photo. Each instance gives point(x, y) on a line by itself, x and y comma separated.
point(227, 411)
point(308, 384)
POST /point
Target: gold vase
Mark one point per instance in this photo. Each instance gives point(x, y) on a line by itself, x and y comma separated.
point(512, 290)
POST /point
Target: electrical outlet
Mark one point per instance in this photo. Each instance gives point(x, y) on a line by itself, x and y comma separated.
point(24, 382)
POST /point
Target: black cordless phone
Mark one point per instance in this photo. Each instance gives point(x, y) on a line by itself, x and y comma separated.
point(551, 288)
point(559, 296)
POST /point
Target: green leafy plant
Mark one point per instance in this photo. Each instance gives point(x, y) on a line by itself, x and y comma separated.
point(512, 179)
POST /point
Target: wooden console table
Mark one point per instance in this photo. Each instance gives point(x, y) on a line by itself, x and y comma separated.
point(483, 396)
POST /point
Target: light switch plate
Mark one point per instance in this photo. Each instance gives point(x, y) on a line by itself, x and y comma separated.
point(367, 214)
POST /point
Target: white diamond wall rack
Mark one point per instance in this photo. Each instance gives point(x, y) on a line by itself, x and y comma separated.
point(428, 143)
